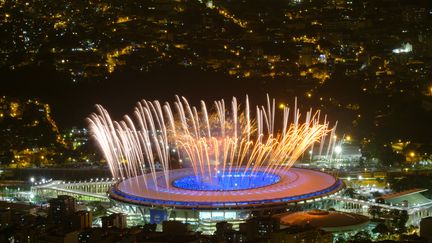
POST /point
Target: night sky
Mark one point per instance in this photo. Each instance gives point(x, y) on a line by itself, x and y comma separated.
point(72, 103)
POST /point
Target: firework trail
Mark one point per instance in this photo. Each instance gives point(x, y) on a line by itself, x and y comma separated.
point(210, 140)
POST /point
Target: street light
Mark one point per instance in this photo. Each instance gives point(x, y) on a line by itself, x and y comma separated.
point(338, 149)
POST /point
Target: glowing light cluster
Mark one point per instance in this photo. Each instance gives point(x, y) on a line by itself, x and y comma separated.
point(239, 141)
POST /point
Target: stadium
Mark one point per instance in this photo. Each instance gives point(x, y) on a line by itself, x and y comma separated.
point(295, 188)
point(230, 166)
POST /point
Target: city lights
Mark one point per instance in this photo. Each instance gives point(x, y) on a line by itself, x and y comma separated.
point(346, 141)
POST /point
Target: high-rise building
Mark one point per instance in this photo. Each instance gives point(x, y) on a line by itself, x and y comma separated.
point(61, 208)
point(174, 228)
point(426, 229)
point(259, 228)
point(226, 233)
point(82, 220)
point(222, 229)
point(116, 220)
point(5, 217)
point(91, 235)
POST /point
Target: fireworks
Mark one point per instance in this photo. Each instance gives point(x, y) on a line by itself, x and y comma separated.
point(219, 140)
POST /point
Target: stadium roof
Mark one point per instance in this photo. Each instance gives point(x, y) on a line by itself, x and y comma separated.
point(413, 197)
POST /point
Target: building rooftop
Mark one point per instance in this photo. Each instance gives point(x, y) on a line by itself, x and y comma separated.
point(412, 197)
point(325, 220)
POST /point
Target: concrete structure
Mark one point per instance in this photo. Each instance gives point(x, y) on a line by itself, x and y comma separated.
point(408, 199)
point(295, 185)
point(92, 190)
point(344, 154)
point(330, 221)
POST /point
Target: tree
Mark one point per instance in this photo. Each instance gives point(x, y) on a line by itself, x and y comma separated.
point(350, 192)
point(98, 208)
point(401, 220)
point(376, 194)
point(149, 227)
point(6, 158)
point(340, 239)
point(412, 181)
point(411, 229)
point(362, 236)
point(381, 229)
point(380, 200)
point(374, 211)
point(388, 157)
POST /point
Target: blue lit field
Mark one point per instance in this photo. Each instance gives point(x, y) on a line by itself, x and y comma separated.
point(228, 181)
